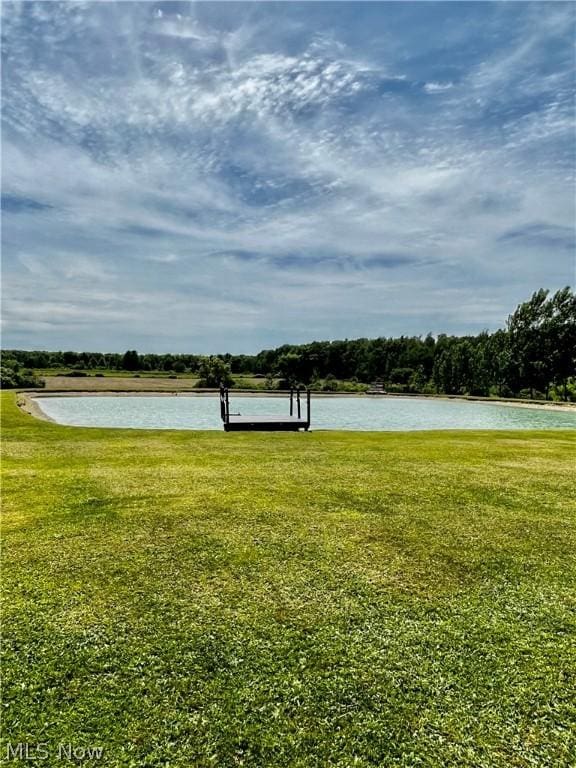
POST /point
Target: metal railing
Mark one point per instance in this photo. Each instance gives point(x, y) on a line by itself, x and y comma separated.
point(298, 403)
point(295, 403)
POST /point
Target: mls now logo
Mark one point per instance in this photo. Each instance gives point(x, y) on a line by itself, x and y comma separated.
point(40, 751)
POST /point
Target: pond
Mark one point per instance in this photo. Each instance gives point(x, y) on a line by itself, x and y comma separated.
point(348, 412)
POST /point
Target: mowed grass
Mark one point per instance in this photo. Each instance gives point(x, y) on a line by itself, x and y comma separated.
point(321, 599)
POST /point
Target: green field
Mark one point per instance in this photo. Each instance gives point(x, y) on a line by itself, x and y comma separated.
point(312, 600)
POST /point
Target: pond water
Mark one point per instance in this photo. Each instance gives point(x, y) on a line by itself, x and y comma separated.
point(352, 413)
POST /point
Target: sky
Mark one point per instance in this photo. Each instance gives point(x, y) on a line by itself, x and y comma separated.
point(225, 177)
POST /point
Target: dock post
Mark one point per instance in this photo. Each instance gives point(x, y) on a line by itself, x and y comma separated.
point(227, 408)
point(298, 400)
point(291, 401)
point(222, 404)
point(308, 406)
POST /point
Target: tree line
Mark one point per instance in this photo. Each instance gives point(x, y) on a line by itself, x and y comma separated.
point(533, 356)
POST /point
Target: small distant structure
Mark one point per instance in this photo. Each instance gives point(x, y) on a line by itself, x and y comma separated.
point(235, 422)
point(376, 388)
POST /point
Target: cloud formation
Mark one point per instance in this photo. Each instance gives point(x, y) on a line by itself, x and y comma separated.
point(227, 177)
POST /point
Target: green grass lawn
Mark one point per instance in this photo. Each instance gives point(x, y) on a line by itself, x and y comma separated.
point(311, 600)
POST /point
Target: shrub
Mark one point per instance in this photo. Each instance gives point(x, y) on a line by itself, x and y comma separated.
point(11, 379)
point(350, 386)
point(396, 388)
point(527, 394)
point(569, 393)
point(329, 384)
point(8, 378)
point(401, 375)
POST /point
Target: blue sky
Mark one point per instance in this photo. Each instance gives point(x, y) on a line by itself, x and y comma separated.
point(211, 177)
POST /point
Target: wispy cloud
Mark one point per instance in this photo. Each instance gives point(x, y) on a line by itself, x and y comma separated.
point(437, 87)
point(249, 174)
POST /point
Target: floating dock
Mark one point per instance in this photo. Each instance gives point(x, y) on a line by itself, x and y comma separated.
point(236, 422)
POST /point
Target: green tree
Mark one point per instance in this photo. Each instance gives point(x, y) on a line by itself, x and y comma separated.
point(70, 358)
point(417, 380)
point(497, 363)
point(214, 371)
point(562, 338)
point(130, 361)
point(179, 367)
point(442, 372)
point(529, 339)
point(289, 365)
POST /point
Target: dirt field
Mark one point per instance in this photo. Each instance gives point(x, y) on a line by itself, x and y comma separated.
point(117, 384)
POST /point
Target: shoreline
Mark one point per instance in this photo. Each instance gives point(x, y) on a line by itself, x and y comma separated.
point(27, 403)
point(26, 399)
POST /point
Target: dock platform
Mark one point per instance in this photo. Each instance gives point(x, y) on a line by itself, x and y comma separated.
point(235, 422)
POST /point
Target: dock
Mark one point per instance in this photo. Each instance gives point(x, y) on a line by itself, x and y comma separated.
point(377, 388)
point(294, 421)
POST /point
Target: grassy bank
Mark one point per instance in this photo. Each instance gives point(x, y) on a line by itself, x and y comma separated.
point(323, 599)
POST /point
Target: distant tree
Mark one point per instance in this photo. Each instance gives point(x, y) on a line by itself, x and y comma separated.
point(417, 381)
point(529, 341)
point(38, 360)
point(214, 371)
point(462, 382)
point(130, 361)
point(442, 372)
point(70, 358)
point(289, 366)
point(179, 367)
point(562, 338)
point(481, 369)
point(497, 363)
point(167, 363)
